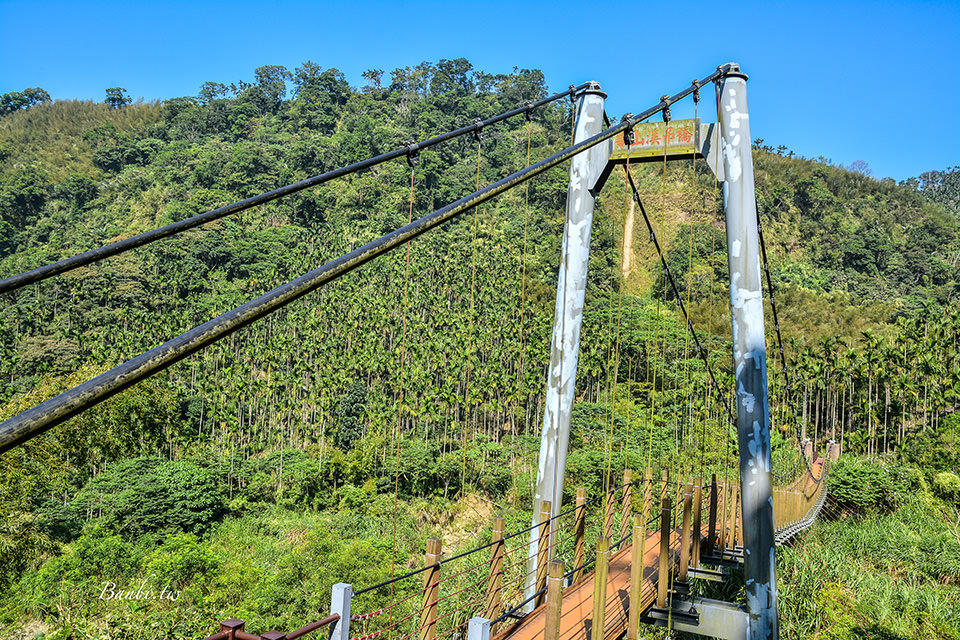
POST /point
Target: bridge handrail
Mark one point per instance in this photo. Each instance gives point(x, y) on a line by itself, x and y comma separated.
point(233, 630)
point(562, 514)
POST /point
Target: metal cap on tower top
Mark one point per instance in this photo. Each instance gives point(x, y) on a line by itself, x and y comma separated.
point(592, 87)
point(733, 70)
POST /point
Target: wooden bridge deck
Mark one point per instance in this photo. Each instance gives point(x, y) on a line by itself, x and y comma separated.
point(576, 616)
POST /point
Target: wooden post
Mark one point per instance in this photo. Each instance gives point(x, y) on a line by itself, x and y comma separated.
point(543, 551)
point(611, 508)
point(678, 501)
point(731, 517)
point(600, 589)
point(579, 534)
point(665, 488)
point(551, 625)
point(495, 576)
point(734, 515)
point(685, 532)
point(431, 590)
point(712, 516)
point(740, 539)
point(627, 508)
point(697, 522)
point(647, 490)
point(636, 576)
point(231, 626)
point(724, 505)
point(663, 574)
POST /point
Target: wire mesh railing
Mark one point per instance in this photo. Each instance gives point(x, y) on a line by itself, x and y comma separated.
point(684, 521)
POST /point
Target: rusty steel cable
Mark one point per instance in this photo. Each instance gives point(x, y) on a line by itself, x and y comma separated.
point(359, 617)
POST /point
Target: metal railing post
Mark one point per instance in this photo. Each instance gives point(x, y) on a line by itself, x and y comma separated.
point(478, 629)
point(340, 598)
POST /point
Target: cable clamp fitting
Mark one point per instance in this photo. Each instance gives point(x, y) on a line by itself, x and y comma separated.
point(573, 98)
point(666, 109)
point(413, 153)
point(629, 137)
point(528, 112)
point(696, 91)
point(477, 129)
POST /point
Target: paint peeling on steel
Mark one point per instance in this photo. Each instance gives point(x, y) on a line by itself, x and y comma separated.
point(753, 413)
point(568, 317)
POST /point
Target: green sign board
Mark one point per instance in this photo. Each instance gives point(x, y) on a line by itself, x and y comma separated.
point(677, 139)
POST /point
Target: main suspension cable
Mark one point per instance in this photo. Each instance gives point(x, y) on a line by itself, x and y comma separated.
point(35, 421)
point(14, 282)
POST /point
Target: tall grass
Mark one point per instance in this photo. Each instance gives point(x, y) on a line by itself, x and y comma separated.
point(894, 575)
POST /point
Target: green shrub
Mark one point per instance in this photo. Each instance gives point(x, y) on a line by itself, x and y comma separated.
point(179, 559)
point(860, 485)
point(938, 450)
point(947, 486)
point(146, 495)
point(97, 560)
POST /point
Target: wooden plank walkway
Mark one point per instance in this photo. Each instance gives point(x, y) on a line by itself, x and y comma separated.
point(576, 617)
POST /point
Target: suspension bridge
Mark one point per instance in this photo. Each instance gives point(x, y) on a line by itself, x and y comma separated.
point(600, 567)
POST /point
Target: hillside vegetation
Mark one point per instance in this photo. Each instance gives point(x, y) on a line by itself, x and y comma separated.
point(376, 407)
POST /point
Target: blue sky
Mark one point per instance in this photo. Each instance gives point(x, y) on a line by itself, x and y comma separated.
point(873, 81)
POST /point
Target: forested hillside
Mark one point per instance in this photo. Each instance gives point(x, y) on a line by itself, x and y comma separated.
point(381, 405)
